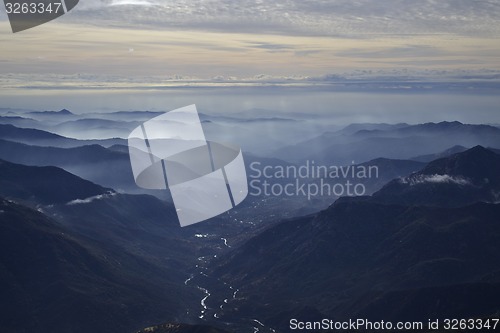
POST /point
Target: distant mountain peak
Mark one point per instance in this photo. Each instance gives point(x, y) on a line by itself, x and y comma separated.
point(445, 153)
point(442, 125)
point(65, 112)
point(476, 163)
point(478, 150)
point(456, 122)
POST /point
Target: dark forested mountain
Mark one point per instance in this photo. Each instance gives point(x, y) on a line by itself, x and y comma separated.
point(44, 185)
point(445, 153)
point(351, 260)
point(52, 280)
point(11, 132)
point(78, 257)
point(39, 155)
point(380, 259)
point(141, 224)
point(93, 162)
point(460, 179)
point(131, 262)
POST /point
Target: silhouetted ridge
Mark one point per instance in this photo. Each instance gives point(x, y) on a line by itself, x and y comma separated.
point(457, 180)
point(11, 132)
point(45, 185)
point(53, 280)
point(65, 111)
point(448, 152)
point(477, 163)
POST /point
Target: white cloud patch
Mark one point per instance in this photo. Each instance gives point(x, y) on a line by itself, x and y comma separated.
point(320, 17)
point(90, 199)
point(436, 179)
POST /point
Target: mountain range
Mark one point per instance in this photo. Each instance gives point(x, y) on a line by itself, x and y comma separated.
point(78, 257)
point(406, 142)
point(380, 260)
point(79, 252)
point(93, 162)
point(44, 185)
point(457, 180)
point(53, 280)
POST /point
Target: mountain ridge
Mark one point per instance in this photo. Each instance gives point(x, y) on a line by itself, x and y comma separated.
point(400, 143)
point(32, 136)
point(53, 280)
point(351, 259)
point(459, 179)
point(45, 185)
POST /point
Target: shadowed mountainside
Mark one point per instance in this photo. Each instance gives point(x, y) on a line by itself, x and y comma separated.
point(457, 180)
point(395, 142)
point(45, 185)
point(362, 258)
point(55, 281)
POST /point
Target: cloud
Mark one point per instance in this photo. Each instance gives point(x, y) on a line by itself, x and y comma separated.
point(349, 18)
point(359, 80)
point(90, 199)
point(413, 51)
point(436, 179)
point(334, 18)
point(243, 38)
point(270, 46)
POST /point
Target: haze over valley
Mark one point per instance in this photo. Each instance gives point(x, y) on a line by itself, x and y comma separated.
point(117, 250)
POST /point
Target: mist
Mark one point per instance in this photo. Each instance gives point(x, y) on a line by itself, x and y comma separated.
point(343, 108)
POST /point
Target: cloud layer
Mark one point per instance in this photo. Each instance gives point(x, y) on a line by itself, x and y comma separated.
point(217, 40)
point(323, 17)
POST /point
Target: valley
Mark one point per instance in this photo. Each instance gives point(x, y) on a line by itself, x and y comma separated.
point(108, 256)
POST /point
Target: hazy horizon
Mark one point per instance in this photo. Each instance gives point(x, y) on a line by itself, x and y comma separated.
point(340, 108)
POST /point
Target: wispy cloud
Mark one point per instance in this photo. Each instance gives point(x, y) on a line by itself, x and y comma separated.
point(339, 18)
point(243, 38)
point(413, 51)
point(378, 80)
point(319, 17)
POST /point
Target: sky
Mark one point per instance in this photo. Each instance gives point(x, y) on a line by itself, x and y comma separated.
point(151, 46)
point(133, 40)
